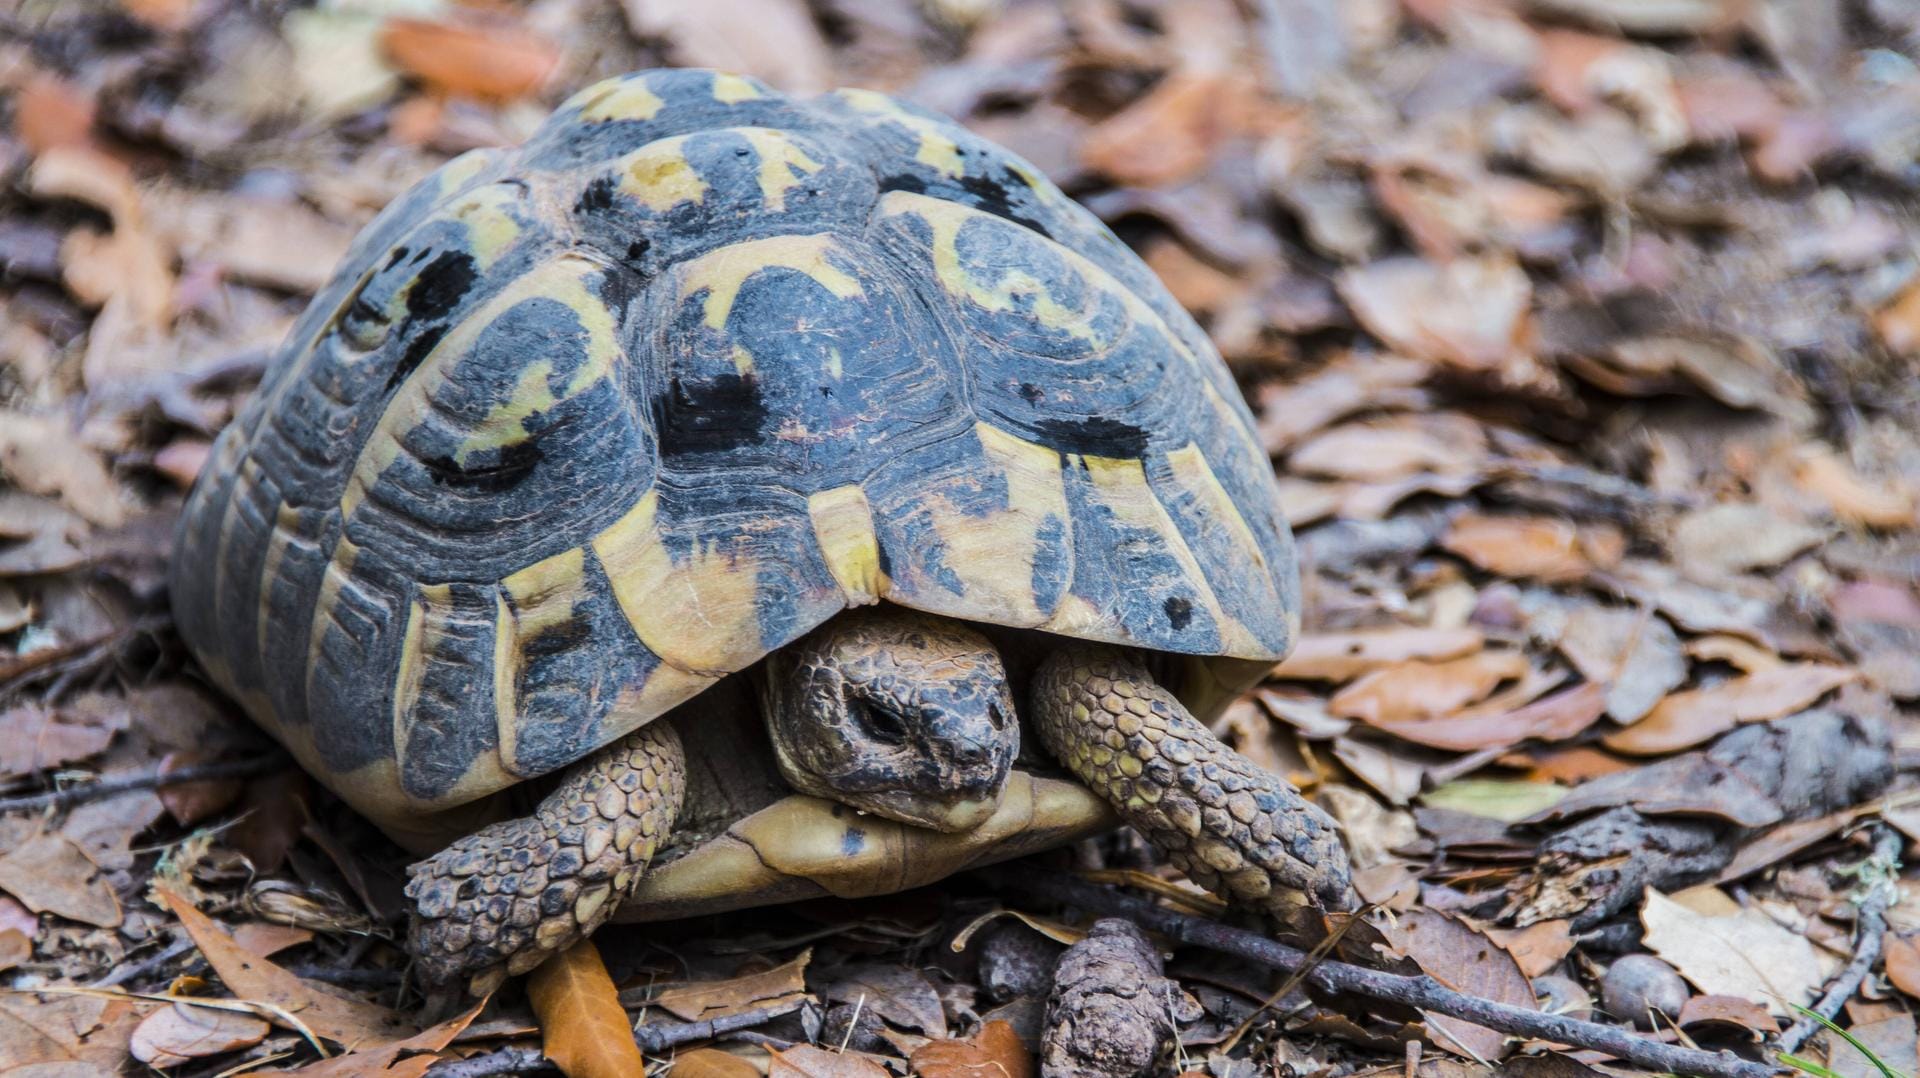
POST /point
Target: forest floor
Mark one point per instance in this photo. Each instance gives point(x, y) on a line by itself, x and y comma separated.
point(1583, 336)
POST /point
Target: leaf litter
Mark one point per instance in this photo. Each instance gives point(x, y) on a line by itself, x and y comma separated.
point(1576, 330)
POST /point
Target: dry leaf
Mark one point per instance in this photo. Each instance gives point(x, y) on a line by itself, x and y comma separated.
point(1537, 948)
point(1902, 962)
point(1414, 689)
point(1358, 381)
point(1470, 313)
point(711, 1063)
point(492, 58)
point(41, 455)
point(50, 874)
point(1726, 1011)
point(584, 1030)
point(1396, 776)
point(1686, 719)
point(1898, 323)
point(1743, 953)
point(181, 1032)
point(50, 112)
point(1886, 1045)
point(1340, 656)
point(1171, 132)
point(35, 738)
point(1464, 959)
point(1733, 537)
point(249, 976)
point(1540, 548)
point(785, 48)
point(994, 1052)
point(1388, 449)
point(15, 947)
point(1553, 718)
point(807, 1061)
point(1824, 475)
point(699, 1002)
point(897, 994)
point(265, 937)
point(1634, 653)
point(384, 1060)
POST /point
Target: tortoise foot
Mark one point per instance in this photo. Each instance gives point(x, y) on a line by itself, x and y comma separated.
point(1231, 825)
point(498, 902)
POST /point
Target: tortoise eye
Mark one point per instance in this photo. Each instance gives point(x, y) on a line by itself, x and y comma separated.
point(996, 716)
point(880, 724)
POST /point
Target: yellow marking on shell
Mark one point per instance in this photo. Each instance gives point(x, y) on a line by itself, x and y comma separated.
point(843, 525)
point(779, 156)
point(698, 612)
point(1195, 477)
point(742, 361)
point(994, 555)
point(422, 632)
point(489, 219)
point(1121, 485)
point(564, 280)
point(937, 150)
point(460, 171)
point(286, 521)
point(224, 579)
point(946, 219)
point(723, 272)
point(339, 570)
point(729, 89)
point(658, 176)
point(616, 99)
point(532, 601)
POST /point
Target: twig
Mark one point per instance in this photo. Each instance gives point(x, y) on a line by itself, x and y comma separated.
point(1422, 992)
point(147, 780)
point(652, 1037)
point(1878, 874)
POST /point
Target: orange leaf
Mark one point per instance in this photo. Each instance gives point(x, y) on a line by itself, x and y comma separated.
point(253, 978)
point(1415, 690)
point(1170, 133)
point(806, 1061)
point(494, 59)
point(1536, 547)
point(712, 1063)
point(174, 1035)
point(710, 999)
point(584, 1029)
point(50, 112)
point(1338, 656)
point(384, 1060)
point(1686, 719)
point(994, 1052)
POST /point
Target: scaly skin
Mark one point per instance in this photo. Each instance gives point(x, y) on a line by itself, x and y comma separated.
point(1232, 826)
point(501, 900)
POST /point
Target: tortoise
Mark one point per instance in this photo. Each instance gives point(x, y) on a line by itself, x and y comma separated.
point(754, 481)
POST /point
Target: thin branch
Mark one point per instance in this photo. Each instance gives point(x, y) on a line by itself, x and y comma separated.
point(1878, 874)
point(147, 780)
point(1422, 992)
point(652, 1037)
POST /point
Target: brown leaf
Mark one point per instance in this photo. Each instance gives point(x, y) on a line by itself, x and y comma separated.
point(1537, 948)
point(785, 49)
point(584, 1030)
point(1415, 690)
point(1827, 476)
point(1340, 656)
point(161, 14)
point(492, 58)
point(265, 937)
point(249, 976)
point(15, 947)
point(1889, 1044)
point(994, 1052)
point(1171, 132)
point(50, 112)
point(1470, 313)
point(1390, 449)
point(281, 245)
point(1540, 548)
point(712, 1063)
point(807, 1061)
point(1733, 537)
point(701, 1001)
point(34, 738)
point(1634, 653)
point(42, 455)
point(1898, 323)
point(1358, 381)
point(181, 1032)
point(1902, 962)
point(190, 802)
point(273, 812)
point(1464, 959)
point(50, 874)
point(1727, 1011)
point(897, 994)
point(385, 1060)
point(1686, 719)
point(1558, 717)
point(1741, 953)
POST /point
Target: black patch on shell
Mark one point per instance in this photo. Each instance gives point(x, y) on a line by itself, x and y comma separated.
point(710, 417)
point(515, 463)
point(637, 250)
point(442, 285)
point(418, 349)
point(1179, 612)
point(597, 197)
point(989, 195)
point(1094, 435)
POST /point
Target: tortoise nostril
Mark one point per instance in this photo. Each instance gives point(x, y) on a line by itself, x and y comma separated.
point(970, 753)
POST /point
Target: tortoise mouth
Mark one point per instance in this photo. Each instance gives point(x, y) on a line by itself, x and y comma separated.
point(950, 815)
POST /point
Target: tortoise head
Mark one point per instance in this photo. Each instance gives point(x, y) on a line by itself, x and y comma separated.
point(900, 714)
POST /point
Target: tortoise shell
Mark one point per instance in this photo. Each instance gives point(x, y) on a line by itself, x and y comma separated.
point(583, 426)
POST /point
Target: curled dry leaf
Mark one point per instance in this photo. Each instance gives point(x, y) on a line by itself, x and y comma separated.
point(493, 58)
point(1742, 953)
point(41, 455)
point(1824, 475)
point(1391, 449)
point(1732, 1011)
point(994, 1052)
point(1538, 548)
point(901, 996)
point(1554, 718)
point(1902, 962)
point(1171, 133)
point(1415, 689)
point(250, 976)
point(385, 1060)
point(1689, 718)
point(1356, 382)
point(712, 1063)
point(699, 1002)
point(584, 1030)
point(181, 1032)
point(1340, 656)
